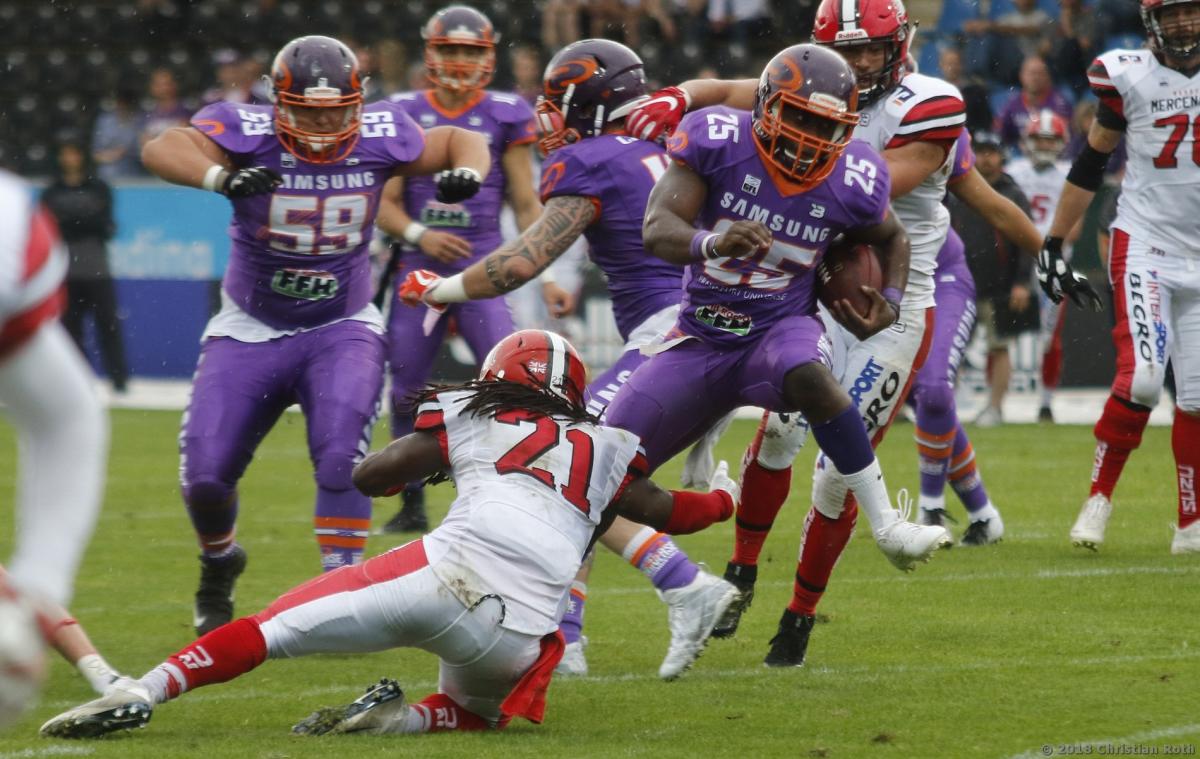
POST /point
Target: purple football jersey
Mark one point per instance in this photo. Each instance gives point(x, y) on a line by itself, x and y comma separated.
point(951, 259)
point(299, 255)
point(504, 120)
point(617, 173)
point(729, 300)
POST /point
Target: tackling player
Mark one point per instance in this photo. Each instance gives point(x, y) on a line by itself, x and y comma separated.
point(1040, 173)
point(62, 430)
point(596, 181)
point(306, 177)
point(537, 478)
point(460, 57)
point(1147, 97)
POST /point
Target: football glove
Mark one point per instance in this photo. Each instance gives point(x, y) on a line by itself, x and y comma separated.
point(722, 481)
point(1056, 277)
point(256, 180)
point(417, 285)
point(458, 185)
point(657, 116)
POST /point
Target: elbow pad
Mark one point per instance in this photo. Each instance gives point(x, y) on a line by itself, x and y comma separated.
point(1088, 170)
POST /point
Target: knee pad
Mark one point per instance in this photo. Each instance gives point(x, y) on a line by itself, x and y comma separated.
point(935, 399)
point(779, 439)
point(206, 493)
point(829, 489)
point(1146, 388)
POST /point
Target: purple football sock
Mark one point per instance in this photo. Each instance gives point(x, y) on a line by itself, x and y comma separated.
point(661, 560)
point(964, 477)
point(342, 523)
point(572, 622)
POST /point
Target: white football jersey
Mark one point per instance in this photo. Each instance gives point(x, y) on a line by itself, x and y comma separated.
point(32, 260)
point(1042, 187)
point(531, 491)
point(920, 108)
point(1159, 201)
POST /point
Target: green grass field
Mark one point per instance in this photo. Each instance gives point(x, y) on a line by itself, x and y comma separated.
point(984, 652)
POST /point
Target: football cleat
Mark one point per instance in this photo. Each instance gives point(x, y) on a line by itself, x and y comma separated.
point(1187, 539)
point(1088, 531)
point(907, 544)
point(933, 517)
point(214, 597)
point(1046, 414)
point(984, 532)
point(573, 662)
point(411, 517)
point(126, 705)
point(790, 643)
point(742, 577)
point(989, 417)
point(692, 612)
point(382, 709)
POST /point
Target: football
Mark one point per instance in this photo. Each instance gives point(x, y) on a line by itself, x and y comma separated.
point(844, 268)
point(22, 659)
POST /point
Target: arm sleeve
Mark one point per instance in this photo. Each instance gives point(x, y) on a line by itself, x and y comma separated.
point(430, 418)
point(964, 158)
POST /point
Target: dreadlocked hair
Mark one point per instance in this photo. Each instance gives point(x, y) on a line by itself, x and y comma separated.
point(490, 397)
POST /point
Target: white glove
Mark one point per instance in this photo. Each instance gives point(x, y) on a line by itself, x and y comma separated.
point(722, 481)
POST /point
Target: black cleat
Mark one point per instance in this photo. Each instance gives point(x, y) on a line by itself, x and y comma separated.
point(983, 533)
point(1045, 414)
point(934, 517)
point(742, 577)
point(791, 642)
point(214, 598)
point(354, 717)
point(411, 516)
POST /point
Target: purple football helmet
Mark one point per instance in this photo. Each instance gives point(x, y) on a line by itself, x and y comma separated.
point(320, 76)
point(587, 85)
point(457, 27)
point(804, 112)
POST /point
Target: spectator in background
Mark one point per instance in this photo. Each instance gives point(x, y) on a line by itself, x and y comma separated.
point(1002, 274)
point(1075, 44)
point(115, 147)
point(391, 64)
point(82, 205)
point(1026, 31)
point(1037, 92)
point(974, 91)
point(232, 85)
point(560, 23)
point(168, 111)
point(741, 22)
point(527, 72)
point(1081, 122)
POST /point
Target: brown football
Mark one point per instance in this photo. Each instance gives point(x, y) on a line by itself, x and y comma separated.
point(844, 268)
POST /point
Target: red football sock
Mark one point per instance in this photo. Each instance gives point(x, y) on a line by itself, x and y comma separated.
point(223, 654)
point(822, 544)
point(1185, 433)
point(1118, 433)
point(443, 714)
point(763, 494)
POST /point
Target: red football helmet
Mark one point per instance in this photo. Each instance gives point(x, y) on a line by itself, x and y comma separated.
point(446, 34)
point(1179, 39)
point(852, 23)
point(540, 359)
point(804, 112)
point(319, 76)
point(1044, 137)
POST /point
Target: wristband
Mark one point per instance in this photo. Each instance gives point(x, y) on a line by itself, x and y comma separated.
point(412, 233)
point(212, 178)
point(450, 290)
point(704, 245)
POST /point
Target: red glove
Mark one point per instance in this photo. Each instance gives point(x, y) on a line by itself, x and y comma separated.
point(659, 115)
point(417, 285)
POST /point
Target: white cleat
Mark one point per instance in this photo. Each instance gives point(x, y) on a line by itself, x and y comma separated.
point(1088, 531)
point(906, 544)
point(989, 417)
point(1187, 539)
point(692, 613)
point(126, 705)
point(573, 662)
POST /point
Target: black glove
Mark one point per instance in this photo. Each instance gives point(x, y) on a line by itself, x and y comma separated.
point(256, 180)
point(458, 185)
point(1057, 278)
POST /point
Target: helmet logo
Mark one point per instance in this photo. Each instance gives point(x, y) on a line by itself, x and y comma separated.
point(828, 101)
point(848, 35)
point(787, 74)
point(572, 72)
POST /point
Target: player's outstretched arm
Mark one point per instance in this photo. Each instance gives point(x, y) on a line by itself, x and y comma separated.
point(679, 512)
point(1003, 214)
point(451, 149)
point(517, 162)
point(183, 155)
point(413, 457)
point(661, 112)
point(892, 241)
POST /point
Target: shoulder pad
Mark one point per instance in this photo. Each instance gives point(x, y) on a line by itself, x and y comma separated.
point(235, 127)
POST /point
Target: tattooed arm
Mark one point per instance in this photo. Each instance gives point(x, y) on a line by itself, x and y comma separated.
point(517, 261)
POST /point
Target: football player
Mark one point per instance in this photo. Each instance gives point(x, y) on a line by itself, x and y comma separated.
point(1040, 173)
point(1146, 96)
point(537, 478)
point(306, 177)
point(595, 183)
point(46, 393)
point(460, 57)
